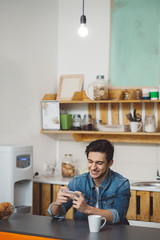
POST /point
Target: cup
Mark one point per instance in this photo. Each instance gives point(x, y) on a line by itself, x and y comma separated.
point(66, 121)
point(95, 221)
point(135, 126)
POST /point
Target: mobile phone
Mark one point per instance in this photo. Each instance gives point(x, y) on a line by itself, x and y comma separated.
point(70, 192)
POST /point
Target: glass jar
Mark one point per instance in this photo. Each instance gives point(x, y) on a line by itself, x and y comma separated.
point(100, 88)
point(87, 124)
point(68, 166)
point(76, 122)
point(150, 124)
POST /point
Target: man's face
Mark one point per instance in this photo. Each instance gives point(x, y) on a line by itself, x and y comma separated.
point(97, 165)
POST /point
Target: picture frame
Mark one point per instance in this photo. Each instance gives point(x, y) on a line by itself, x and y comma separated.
point(68, 85)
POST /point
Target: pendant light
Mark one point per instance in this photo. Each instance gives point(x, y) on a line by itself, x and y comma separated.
point(83, 30)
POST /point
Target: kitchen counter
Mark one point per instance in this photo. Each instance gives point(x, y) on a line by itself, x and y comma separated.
point(43, 226)
point(64, 181)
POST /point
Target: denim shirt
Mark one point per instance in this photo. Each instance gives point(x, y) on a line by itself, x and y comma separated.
point(114, 195)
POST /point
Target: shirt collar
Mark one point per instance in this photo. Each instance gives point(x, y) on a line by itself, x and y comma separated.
point(104, 184)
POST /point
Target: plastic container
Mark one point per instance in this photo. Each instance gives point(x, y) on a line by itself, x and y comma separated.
point(87, 124)
point(68, 166)
point(76, 122)
point(97, 124)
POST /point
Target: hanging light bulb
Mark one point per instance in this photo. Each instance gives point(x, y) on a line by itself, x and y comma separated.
point(83, 30)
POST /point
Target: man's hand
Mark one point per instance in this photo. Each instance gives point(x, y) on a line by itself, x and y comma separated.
point(80, 203)
point(62, 196)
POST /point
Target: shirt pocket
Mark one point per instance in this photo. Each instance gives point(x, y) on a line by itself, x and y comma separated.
point(108, 202)
point(87, 198)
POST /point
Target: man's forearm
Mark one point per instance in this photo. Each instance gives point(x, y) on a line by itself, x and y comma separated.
point(97, 211)
point(56, 209)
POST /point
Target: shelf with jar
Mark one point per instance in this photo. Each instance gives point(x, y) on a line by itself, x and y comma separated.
point(113, 111)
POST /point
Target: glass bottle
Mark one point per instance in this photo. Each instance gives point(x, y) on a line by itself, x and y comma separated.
point(87, 123)
point(68, 166)
point(100, 88)
point(76, 122)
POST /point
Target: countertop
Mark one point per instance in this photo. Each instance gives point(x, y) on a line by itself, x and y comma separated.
point(64, 181)
point(45, 226)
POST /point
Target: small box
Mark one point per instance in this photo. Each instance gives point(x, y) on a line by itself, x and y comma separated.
point(113, 128)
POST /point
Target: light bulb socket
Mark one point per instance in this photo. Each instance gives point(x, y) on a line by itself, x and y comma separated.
point(83, 19)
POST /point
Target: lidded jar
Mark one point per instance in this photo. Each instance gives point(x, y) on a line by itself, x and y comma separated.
point(76, 122)
point(68, 166)
point(100, 88)
point(87, 124)
point(150, 124)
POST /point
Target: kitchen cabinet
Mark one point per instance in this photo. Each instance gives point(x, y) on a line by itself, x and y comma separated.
point(43, 195)
point(116, 108)
point(144, 206)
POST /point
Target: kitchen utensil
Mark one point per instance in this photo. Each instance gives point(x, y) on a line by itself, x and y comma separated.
point(135, 118)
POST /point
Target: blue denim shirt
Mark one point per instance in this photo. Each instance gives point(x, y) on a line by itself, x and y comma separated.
point(114, 194)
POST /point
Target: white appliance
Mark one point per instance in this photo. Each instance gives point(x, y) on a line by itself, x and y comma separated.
point(16, 171)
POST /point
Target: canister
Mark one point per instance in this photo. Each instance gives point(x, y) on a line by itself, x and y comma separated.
point(145, 94)
point(68, 166)
point(76, 122)
point(153, 94)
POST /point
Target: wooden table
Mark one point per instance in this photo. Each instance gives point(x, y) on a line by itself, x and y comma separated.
point(41, 227)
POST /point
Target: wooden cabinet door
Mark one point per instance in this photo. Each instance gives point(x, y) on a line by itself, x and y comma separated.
point(144, 206)
point(45, 198)
point(43, 195)
point(36, 198)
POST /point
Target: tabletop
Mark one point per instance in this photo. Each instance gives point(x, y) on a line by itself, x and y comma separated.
point(45, 226)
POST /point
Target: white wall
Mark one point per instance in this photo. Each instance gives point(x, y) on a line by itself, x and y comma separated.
point(28, 70)
point(39, 42)
point(90, 56)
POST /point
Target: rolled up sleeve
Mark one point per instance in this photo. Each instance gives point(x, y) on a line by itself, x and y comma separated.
point(59, 217)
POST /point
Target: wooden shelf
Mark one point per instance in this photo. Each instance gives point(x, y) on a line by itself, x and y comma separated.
point(81, 97)
point(116, 104)
point(130, 137)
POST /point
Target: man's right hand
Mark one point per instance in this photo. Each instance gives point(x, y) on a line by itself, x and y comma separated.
point(62, 196)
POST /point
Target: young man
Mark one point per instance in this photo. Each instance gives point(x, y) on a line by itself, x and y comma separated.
point(101, 191)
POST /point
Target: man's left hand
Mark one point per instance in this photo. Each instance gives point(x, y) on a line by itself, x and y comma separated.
point(80, 203)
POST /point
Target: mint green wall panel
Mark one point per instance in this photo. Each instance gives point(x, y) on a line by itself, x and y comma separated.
point(135, 43)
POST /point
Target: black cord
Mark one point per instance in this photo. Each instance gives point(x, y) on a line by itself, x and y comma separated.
point(83, 8)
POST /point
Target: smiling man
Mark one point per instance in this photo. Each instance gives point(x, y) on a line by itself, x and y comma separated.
point(101, 191)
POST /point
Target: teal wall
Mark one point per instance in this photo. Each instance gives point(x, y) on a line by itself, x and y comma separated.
point(135, 43)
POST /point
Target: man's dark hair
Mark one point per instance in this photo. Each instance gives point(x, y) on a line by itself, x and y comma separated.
point(103, 146)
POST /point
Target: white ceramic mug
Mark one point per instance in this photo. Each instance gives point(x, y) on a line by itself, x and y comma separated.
point(94, 222)
point(135, 126)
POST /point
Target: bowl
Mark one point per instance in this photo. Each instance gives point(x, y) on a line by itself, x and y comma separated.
point(7, 213)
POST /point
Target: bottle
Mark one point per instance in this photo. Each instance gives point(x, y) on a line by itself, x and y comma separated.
point(87, 123)
point(68, 166)
point(76, 122)
point(100, 88)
